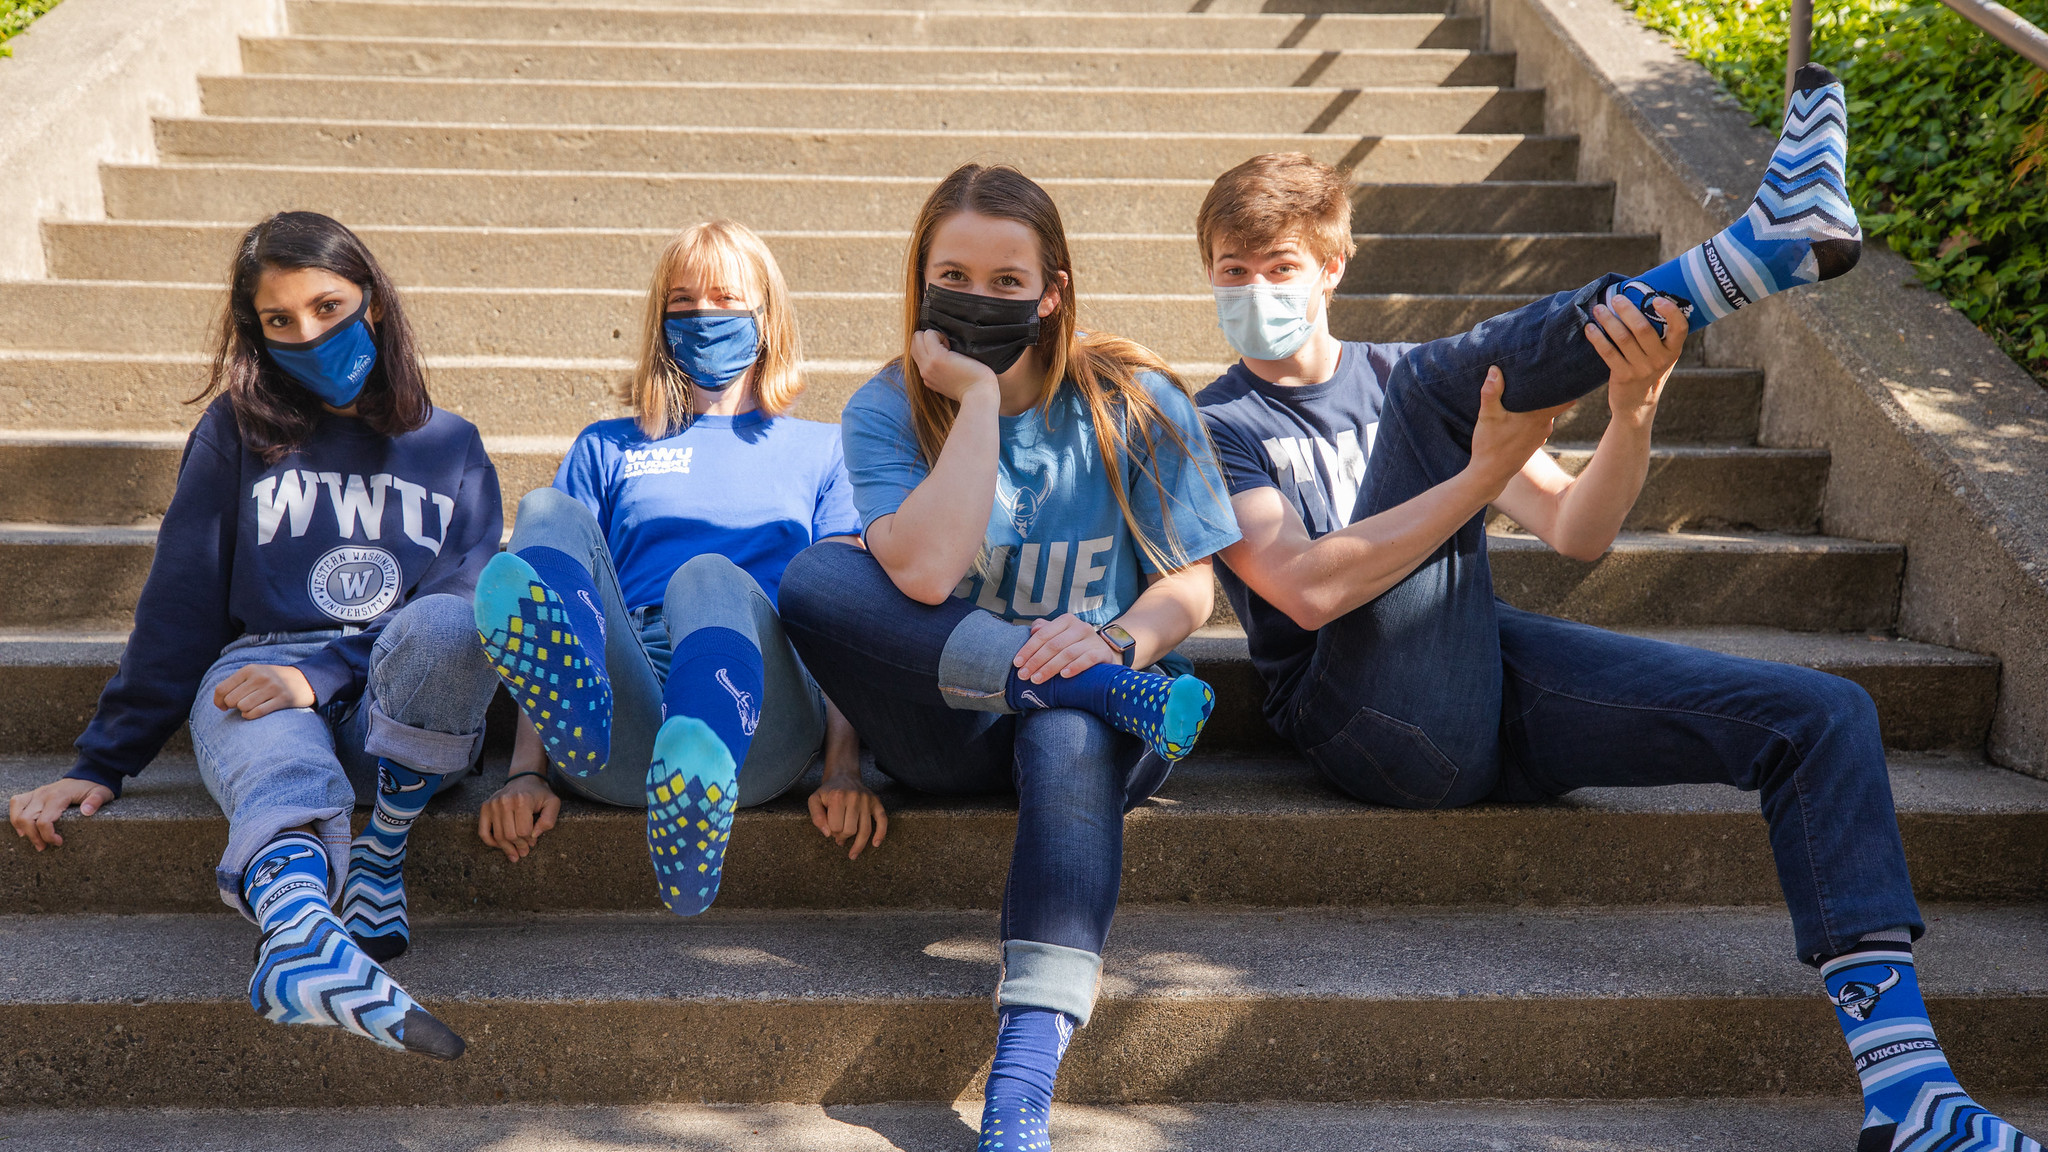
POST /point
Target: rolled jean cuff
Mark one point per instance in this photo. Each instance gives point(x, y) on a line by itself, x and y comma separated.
point(974, 667)
point(1052, 976)
point(249, 837)
point(420, 748)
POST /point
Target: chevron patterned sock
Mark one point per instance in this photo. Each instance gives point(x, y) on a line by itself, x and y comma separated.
point(692, 789)
point(1911, 1101)
point(1800, 228)
point(373, 896)
point(1018, 1102)
point(1167, 712)
point(308, 971)
point(538, 615)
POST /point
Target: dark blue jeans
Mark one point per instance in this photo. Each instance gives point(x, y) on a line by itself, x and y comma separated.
point(877, 655)
point(1436, 695)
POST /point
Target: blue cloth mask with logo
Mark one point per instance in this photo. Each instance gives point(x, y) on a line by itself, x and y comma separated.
point(713, 346)
point(335, 364)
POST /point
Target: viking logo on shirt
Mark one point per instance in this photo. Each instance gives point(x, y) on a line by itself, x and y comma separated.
point(1023, 504)
point(355, 585)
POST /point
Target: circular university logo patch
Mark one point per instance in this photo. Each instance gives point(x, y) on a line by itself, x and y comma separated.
point(355, 585)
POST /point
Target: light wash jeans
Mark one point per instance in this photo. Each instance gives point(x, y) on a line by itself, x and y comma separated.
point(708, 591)
point(424, 707)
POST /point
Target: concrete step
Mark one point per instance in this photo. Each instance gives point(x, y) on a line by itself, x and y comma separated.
point(933, 107)
point(1424, 158)
point(877, 63)
point(1297, 8)
point(1013, 25)
point(91, 479)
point(121, 393)
point(623, 259)
point(62, 572)
point(1781, 1124)
point(455, 198)
point(1973, 834)
point(1196, 1006)
point(588, 324)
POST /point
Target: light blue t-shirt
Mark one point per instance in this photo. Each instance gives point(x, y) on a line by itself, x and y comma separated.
point(752, 488)
point(1057, 541)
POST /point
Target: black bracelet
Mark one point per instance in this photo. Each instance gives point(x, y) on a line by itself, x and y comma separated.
point(529, 772)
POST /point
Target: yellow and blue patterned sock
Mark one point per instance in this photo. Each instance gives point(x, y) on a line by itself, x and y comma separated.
point(538, 615)
point(1018, 1102)
point(692, 790)
point(1167, 712)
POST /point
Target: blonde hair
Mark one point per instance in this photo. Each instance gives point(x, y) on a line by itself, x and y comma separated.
point(1103, 368)
point(728, 254)
point(1271, 197)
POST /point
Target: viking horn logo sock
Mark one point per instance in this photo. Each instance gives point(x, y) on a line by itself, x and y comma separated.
point(373, 897)
point(1799, 229)
point(308, 970)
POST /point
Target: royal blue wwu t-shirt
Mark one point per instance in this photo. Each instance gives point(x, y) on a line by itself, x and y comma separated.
point(1057, 541)
point(1310, 442)
point(753, 488)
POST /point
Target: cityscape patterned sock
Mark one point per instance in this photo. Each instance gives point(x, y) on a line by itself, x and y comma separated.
point(308, 970)
point(373, 895)
point(1018, 1102)
point(1800, 229)
point(538, 616)
point(716, 676)
point(692, 789)
point(1911, 1101)
point(1167, 712)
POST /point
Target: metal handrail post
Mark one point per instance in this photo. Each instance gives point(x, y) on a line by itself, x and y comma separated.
point(2006, 26)
point(1799, 42)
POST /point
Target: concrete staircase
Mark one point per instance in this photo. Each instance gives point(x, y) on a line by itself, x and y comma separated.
point(517, 166)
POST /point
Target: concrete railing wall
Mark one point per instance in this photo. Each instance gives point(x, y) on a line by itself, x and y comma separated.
point(1939, 441)
point(82, 88)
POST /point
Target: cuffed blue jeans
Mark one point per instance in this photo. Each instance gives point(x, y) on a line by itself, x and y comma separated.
point(923, 684)
point(1436, 694)
point(707, 591)
point(423, 707)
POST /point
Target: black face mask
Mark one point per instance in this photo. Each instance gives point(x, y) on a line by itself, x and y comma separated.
point(990, 329)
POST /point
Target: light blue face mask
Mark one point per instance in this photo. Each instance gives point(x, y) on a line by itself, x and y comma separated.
point(335, 364)
point(1265, 321)
point(713, 346)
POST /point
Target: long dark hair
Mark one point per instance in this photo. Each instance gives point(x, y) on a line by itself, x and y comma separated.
point(275, 413)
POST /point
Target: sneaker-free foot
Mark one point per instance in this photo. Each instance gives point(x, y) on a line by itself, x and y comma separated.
point(692, 790)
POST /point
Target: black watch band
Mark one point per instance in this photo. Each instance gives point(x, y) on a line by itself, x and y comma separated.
point(1126, 645)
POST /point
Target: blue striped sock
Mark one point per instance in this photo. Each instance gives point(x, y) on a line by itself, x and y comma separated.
point(1911, 1101)
point(538, 616)
point(373, 896)
point(308, 970)
point(1167, 712)
point(1018, 1102)
point(1800, 229)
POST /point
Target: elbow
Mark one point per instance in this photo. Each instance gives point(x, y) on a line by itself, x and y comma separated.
point(1309, 612)
point(928, 588)
point(1584, 551)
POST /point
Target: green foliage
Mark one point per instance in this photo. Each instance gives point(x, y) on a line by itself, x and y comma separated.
point(15, 16)
point(1948, 138)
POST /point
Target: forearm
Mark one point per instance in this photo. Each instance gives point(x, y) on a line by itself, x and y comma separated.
point(1351, 567)
point(932, 539)
point(1169, 610)
point(842, 744)
point(1591, 511)
point(527, 755)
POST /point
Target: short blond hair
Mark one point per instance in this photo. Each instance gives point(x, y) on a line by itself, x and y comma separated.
point(727, 253)
point(1269, 198)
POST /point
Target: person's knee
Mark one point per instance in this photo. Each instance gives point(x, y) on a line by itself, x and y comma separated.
point(1068, 753)
point(438, 621)
point(1820, 704)
point(546, 503)
point(815, 581)
point(707, 578)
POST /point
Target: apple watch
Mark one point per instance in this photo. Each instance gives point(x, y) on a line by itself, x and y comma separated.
point(1126, 645)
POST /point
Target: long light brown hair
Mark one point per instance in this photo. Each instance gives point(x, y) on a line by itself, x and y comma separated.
point(1103, 369)
point(729, 254)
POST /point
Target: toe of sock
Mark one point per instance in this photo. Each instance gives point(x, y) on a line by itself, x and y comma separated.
point(1188, 704)
point(427, 1036)
point(382, 949)
point(1811, 76)
point(690, 796)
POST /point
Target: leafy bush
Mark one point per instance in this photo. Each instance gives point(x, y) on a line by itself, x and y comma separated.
point(1948, 143)
point(15, 16)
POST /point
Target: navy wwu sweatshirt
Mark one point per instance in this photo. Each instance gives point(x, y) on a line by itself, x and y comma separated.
point(338, 535)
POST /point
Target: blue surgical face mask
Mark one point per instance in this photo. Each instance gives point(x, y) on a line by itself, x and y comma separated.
point(713, 346)
point(1265, 321)
point(335, 364)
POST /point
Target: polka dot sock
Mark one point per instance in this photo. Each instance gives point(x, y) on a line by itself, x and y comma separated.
point(1018, 1103)
point(1167, 712)
point(538, 616)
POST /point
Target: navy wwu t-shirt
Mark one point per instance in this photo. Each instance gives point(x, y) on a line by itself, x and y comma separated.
point(338, 535)
point(753, 488)
point(1311, 443)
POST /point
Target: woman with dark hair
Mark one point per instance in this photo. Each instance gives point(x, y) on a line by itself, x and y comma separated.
point(308, 612)
point(1040, 508)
